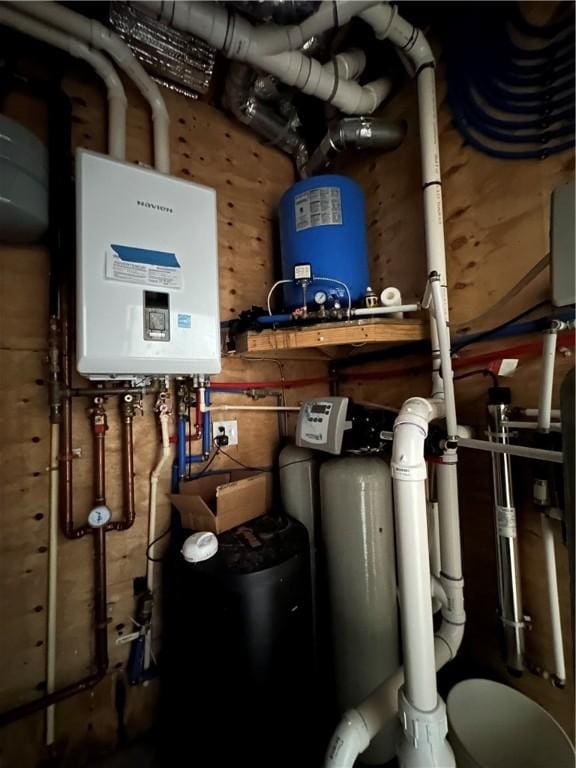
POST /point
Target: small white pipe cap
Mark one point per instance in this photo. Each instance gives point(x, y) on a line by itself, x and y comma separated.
point(199, 547)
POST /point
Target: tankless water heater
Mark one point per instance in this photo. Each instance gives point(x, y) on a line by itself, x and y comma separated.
point(147, 282)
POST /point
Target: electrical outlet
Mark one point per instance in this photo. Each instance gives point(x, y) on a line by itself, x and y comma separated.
point(228, 428)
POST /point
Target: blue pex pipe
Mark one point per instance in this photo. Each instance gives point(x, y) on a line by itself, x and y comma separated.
point(271, 319)
point(206, 425)
point(181, 446)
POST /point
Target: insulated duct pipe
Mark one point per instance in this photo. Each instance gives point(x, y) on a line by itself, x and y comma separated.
point(354, 133)
point(116, 96)
point(241, 101)
point(269, 48)
point(99, 36)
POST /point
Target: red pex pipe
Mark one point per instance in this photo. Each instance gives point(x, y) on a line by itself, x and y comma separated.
point(528, 349)
point(287, 383)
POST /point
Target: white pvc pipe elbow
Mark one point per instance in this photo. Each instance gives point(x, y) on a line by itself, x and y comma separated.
point(269, 48)
point(116, 95)
point(348, 741)
point(98, 36)
point(348, 65)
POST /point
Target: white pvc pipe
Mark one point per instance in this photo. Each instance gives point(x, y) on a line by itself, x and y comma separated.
point(409, 475)
point(239, 40)
point(116, 96)
point(359, 726)
point(533, 412)
point(553, 427)
point(449, 520)
point(540, 454)
point(553, 598)
point(152, 509)
point(445, 359)
point(544, 424)
point(277, 408)
point(348, 65)
point(547, 381)
point(387, 24)
point(52, 578)
point(434, 538)
point(99, 36)
point(375, 311)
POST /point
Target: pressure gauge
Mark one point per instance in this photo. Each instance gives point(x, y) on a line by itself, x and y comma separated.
point(99, 516)
point(320, 297)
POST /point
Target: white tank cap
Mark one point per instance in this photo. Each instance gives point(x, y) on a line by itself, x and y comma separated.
point(199, 547)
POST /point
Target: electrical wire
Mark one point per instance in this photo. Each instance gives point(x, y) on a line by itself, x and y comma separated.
point(153, 542)
point(477, 372)
point(244, 466)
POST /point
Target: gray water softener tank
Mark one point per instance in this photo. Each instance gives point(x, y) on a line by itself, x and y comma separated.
point(23, 184)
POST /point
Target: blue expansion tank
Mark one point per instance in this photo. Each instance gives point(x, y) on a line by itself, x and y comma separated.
point(322, 223)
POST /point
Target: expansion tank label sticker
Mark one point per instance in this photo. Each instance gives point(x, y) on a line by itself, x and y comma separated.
point(144, 267)
point(318, 207)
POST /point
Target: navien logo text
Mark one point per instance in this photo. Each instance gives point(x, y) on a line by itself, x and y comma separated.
point(154, 206)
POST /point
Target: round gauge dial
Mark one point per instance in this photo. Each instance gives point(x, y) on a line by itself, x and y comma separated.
point(99, 516)
point(320, 297)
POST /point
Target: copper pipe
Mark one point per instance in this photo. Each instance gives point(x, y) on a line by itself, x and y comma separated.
point(127, 407)
point(110, 391)
point(99, 427)
point(100, 600)
point(100, 640)
point(66, 494)
point(100, 597)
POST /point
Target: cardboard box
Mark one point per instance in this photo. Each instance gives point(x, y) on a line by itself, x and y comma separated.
point(208, 504)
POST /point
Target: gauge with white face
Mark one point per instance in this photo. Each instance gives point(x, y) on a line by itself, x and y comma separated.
point(320, 297)
point(99, 516)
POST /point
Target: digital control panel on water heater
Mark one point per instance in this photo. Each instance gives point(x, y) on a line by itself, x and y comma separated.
point(147, 282)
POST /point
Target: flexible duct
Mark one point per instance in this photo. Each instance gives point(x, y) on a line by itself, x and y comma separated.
point(354, 133)
point(241, 101)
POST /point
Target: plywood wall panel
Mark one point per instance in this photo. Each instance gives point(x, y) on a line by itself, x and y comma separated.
point(208, 148)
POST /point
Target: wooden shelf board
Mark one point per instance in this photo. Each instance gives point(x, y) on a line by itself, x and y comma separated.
point(365, 331)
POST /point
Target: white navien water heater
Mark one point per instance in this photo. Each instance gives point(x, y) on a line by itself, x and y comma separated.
point(147, 260)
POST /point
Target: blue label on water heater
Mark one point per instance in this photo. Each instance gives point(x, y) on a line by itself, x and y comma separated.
point(145, 256)
point(184, 321)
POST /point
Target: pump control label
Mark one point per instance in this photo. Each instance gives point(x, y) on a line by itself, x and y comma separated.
point(142, 266)
point(320, 207)
point(506, 522)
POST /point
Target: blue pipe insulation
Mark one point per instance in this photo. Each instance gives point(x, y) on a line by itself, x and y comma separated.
point(271, 319)
point(206, 425)
point(181, 445)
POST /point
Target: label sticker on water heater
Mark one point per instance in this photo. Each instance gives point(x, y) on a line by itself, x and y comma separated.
point(318, 207)
point(142, 266)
